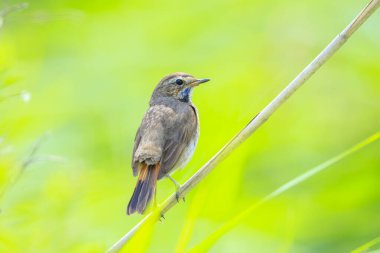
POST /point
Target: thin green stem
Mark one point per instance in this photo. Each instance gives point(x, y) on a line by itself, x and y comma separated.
point(259, 120)
point(213, 237)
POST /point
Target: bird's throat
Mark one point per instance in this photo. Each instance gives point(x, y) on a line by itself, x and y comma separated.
point(185, 95)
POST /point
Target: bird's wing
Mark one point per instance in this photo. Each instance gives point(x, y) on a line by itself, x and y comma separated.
point(177, 139)
point(150, 138)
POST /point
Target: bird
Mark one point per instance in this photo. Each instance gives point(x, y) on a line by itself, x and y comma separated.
point(166, 138)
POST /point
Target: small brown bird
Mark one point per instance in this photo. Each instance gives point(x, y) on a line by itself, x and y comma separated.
point(167, 137)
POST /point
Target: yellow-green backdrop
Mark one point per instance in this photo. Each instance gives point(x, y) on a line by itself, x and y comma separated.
point(89, 68)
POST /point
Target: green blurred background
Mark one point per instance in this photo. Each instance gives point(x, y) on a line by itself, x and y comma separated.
point(90, 67)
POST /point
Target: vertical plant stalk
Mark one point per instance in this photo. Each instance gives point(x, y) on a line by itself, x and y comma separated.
point(256, 122)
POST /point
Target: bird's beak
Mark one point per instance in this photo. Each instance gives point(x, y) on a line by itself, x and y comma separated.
point(199, 81)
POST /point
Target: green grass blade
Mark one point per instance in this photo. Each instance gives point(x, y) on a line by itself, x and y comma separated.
point(213, 237)
point(367, 245)
point(190, 221)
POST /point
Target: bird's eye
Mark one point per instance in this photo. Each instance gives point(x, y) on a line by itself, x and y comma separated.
point(179, 81)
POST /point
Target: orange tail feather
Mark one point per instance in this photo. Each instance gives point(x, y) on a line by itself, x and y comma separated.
point(145, 188)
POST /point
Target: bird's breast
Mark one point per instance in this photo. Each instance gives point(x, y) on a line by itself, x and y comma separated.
point(190, 148)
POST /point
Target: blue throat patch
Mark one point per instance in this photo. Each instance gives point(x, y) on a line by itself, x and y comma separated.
point(184, 95)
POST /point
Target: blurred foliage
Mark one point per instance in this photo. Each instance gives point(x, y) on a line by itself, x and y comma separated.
point(90, 68)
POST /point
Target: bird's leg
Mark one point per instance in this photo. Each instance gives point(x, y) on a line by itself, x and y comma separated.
point(177, 186)
point(155, 206)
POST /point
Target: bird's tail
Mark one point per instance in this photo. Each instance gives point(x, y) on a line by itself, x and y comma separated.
point(145, 188)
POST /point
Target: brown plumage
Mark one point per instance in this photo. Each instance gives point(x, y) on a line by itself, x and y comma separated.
point(166, 138)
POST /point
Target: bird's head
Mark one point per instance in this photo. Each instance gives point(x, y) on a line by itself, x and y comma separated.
point(178, 85)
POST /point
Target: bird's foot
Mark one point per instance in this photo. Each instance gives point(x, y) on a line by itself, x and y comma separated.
point(177, 189)
point(162, 217)
point(178, 196)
